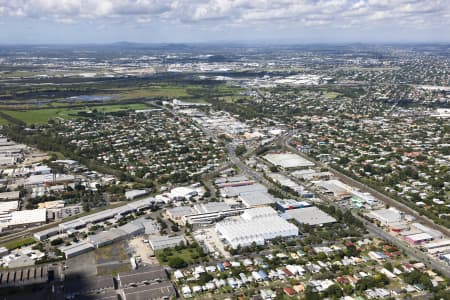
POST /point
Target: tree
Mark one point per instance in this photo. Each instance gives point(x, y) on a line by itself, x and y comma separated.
point(240, 150)
point(177, 262)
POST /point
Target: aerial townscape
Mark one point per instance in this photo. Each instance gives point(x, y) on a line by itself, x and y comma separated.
point(222, 170)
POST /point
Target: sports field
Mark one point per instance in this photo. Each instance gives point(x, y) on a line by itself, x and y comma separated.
point(41, 116)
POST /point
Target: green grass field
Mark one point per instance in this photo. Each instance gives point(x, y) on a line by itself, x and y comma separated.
point(155, 91)
point(14, 244)
point(3, 121)
point(41, 116)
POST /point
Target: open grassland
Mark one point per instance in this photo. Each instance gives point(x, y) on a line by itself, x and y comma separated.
point(14, 244)
point(41, 116)
point(168, 91)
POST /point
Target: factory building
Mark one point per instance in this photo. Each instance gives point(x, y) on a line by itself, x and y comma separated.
point(45, 234)
point(309, 215)
point(177, 214)
point(288, 161)
point(107, 214)
point(23, 218)
point(163, 242)
point(76, 249)
point(256, 199)
point(288, 204)
point(419, 238)
point(10, 196)
point(386, 216)
point(136, 227)
point(337, 189)
point(235, 191)
point(256, 225)
point(24, 276)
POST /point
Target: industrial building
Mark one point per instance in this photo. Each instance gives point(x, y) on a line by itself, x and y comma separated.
point(211, 207)
point(10, 196)
point(107, 214)
point(436, 234)
point(76, 249)
point(232, 181)
point(182, 193)
point(288, 204)
point(288, 161)
point(419, 238)
point(136, 227)
point(210, 217)
point(177, 214)
point(133, 194)
point(162, 290)
point(386, 216)
point(23, 276)
point(256, 225)
point(309, 215)
point(100, 287)
point(8, 206)
point(256, 199)
point(162, 242)
point(24, 218)
point(146, 275)
point(437, 244)
point(335, 188)
point(235, 191)
point(45, 234)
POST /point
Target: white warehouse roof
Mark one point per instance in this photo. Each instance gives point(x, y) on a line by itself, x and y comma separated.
point(245, 232)
point(259, 212)
point(309, 215)
point(288, 160)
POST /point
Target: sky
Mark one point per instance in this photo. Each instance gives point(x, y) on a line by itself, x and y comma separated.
point(209, 21)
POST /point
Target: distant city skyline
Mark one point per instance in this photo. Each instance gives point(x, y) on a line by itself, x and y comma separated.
point(193, 21)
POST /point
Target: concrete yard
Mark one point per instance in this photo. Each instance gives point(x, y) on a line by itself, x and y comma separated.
point(143, 250)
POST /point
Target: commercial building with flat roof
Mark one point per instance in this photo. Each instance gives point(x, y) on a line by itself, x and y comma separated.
point(437, 244)
point(259, 212)
point(288, 160)
point(245, 232)
point(163, 290)
point(211, 207)
point(8, 206)
point(107, 214)
point(94, 285)
point(256, 225)
point(287, 204)
point(24, 218)
point(10, 196)
point(176, 214)
point(76, 249)
point(419, 238)
point(256, 199)
point(45, 234)
point(162, 242)
point(23, 276)
point(146, 275)
point(235, 191)
point(336, 188)
point(309, 215)
point(386, 216)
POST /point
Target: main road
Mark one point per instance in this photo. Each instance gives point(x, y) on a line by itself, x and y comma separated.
point(373, 229)
point(284, 143)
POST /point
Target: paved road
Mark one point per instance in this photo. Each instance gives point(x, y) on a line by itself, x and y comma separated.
point(365, 188)
point(410, 251)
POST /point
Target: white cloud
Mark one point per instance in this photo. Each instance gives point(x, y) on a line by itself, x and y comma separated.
point(338, 13)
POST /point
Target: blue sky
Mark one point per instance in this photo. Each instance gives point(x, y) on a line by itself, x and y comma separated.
point(154, 21)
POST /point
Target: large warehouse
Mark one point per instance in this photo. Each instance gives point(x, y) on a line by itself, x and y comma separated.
point(288, 160)
point(257, 226)
point(309, 215)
